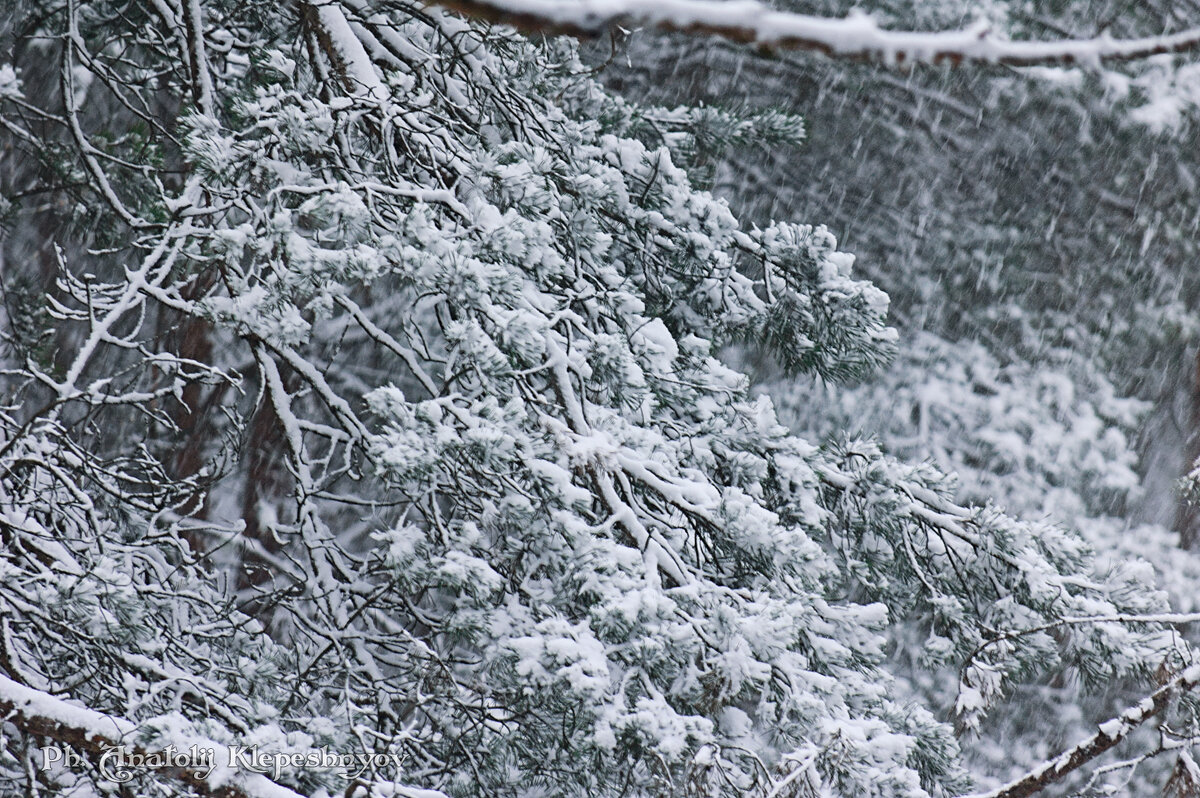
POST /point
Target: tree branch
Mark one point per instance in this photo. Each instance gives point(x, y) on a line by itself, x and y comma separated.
point(855, 37)
point(1108, 735)
point(36, 712)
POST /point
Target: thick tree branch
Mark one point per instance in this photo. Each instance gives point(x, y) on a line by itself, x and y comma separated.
point(855, 37)
point(1108, 735)
point(36, 712)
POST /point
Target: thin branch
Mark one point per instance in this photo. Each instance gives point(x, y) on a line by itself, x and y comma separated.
point(856, 37)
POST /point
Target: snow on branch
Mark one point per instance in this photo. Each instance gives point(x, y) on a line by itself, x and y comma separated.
point(345, 51)
point(45, 715)
point(856, 37)
point(1108, 734)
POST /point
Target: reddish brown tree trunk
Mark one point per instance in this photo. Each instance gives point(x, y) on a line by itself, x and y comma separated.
point(267, 484)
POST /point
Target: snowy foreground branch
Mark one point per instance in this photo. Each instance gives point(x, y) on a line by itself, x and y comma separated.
point(40, 713)
point(856, 37)
point(1109, 734)
point(37, 712)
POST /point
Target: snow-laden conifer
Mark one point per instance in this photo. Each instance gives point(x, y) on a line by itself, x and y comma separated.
point(526, 530)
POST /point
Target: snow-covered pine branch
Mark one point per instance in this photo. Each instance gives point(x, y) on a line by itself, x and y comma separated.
point(856, 37)
point(55, 720)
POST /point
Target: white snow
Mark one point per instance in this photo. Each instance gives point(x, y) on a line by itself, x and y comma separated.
point(854, 35)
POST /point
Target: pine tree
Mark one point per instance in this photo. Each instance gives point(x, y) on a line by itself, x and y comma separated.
point(1034, 230)
point(527, 533)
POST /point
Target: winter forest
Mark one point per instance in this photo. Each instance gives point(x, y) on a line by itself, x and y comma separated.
point(599, 398)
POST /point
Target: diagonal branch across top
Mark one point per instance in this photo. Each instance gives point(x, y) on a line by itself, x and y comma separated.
point(856, 37)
